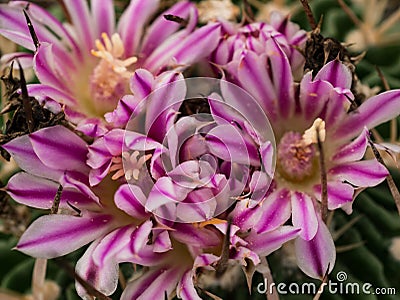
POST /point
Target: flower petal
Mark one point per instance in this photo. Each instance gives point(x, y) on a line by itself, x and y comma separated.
point(21, 150)
point(336, 73)
point(40, 193)
point(131, 199)
point(282, 78)
point(339, 194)
point(48, 70)
point(154, 284)
point(59, 148)
point(353, 151)
point(185, 289)
point(132, 23)
point(103, 278)
point(276, 210)
point(82, 22)
point(304, 215)
point(103, 16)
point(112, 244)
point(266, 243)
point(162, 242)
point(184, 49)
point(374, 111)
point(313, 96)
point(361, 173)
point(314, 257)
point(253, 75)
point(161, 28)
point(56, 235)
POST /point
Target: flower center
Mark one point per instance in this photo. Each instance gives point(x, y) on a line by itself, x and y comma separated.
point(295, 157)
point(110, 78)
point(129, 165)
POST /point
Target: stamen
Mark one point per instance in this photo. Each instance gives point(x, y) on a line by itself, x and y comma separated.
point(131, 166)
point(315, 132)
point(111, 51)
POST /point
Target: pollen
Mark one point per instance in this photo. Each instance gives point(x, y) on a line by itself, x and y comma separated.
point(310, 136)
point(111, 51)
point(110, 78)
point(295, 157)
point(128, 165)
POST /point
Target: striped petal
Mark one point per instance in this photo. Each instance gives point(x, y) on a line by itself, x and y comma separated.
point(40, 193)
point(56, 235)
point(161, 28)
point(133, 21)
point(266, 243)
point(42, 92)
point(162, 242)
point(313, 96)
point(339, 194)
point(103, 16)
point(48, 69)
point(304, 215)
point(184, 49)
point(59, 148)
point(131, 200)
point(353, 151)
point(109, 246)
point(314, 257)
point(154, 284)
point(228, 143)
point(82, 22)
point(361, 173)
point(253, 74)
point(276, 210)
point(282, 78)
point(374, 111)
point(169, 96)
point(185, 289)
point(336, 73)
point(22, 151)
point(103, 278)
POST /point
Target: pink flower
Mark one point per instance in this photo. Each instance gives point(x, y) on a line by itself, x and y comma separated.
point(297, 111)
point(86, 65)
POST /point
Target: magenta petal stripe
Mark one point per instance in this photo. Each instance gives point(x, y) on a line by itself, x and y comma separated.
point(339, 194)
point(185, 289)
point(59, 148)
point(82, 21)
point(111, 244)
point(132, 23)
point(47, 70)
point(336, 73)
point(252, 73)
point(104, 278)
point(40, 193)
point(153, 284)
point(103, 16)
point(44, 236)
point(374, 111)
point(21, 150)
point(266, 243)
point(353, 151)
point(313, 96)
point(131, 200)
point(304, 215)
point(276, 210)
point(282, 78)
point(361, 173)
point(161, 28)
point(315, 256)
